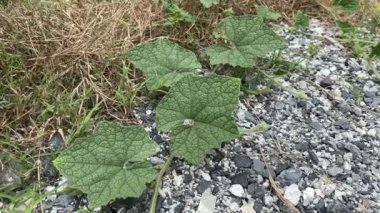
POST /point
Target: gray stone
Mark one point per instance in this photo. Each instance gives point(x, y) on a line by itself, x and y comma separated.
point(342, 123)
point(344, 107)
point(326, 82)
point(258, 166)
point(203, 185)
point(290, 176)
point(256, 191)
point(242, 161)
point(334, 171)
point(337, 207)
point(316, 125)
point(63, 200)
point(352, 148)
point(279, 105)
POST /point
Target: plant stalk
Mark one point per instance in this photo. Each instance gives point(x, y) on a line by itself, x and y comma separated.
point(153, 201)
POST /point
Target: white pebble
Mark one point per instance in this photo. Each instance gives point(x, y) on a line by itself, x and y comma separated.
point(293, 194)
point(308, 196)
point(237, 190)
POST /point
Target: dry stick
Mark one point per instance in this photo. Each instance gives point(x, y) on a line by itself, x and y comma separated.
point(278, 190)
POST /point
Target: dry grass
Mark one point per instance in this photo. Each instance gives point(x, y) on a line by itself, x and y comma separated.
point(74, 43)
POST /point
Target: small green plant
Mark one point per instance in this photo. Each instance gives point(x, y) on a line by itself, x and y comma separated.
point(209, 3)
point(302, 21)
point(175, 13)
point(267, 13)
point(349, 5)
point(196, 113)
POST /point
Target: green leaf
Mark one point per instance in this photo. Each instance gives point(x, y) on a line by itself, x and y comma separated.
point(267, 13)
point(345, 26)
point(163, 62)
point(247, 38)
point(350, 5)
point(111, 163)
point(197, 113)
point(375, 52)
point(302, 21)
point(209, 3)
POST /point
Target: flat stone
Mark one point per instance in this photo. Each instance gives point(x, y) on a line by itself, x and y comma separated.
point(343, 123)
point(352, 148)
point(290, 176)
point(240, 178)
point(256, 191)
point(237, 190)
point(207, 202)
point(242, 161)
point(259, 167)
point(316, 125)
point(279, 105)
point(203, 185)
point(326, 82)
point(293, 194)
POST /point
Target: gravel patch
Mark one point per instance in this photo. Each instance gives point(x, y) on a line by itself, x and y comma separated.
point(323, 152)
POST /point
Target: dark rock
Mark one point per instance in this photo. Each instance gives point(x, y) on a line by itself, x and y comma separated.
point(313, 157)
point(290, 176)
point(320, 206)
point(258, 207)
point(256, 191)
point(271, 172)
point(337, 207)
point(344, 107)
point(302, 104)
point(216, 155)
point(215, 190)
point(327, 82)
point(187, 178)
point(63, 200)
point(258, 166)
point(203, 185)
point(179, 208)
point(122, 204)
point(302, 147)
point(240, 178)
point(281, 167)
point(242, 161)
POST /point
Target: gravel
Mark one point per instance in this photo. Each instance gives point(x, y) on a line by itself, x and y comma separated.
point(324, 151)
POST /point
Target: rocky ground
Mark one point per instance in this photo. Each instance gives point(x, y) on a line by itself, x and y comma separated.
point(321, 154)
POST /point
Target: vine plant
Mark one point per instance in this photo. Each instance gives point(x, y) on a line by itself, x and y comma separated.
point(196, 113)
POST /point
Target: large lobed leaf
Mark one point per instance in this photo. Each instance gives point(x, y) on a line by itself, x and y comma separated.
point(197, 113)
point(111, 163)
point(163, 62)
point(247, 38)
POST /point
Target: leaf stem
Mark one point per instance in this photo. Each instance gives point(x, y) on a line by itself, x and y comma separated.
point(153, 201)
